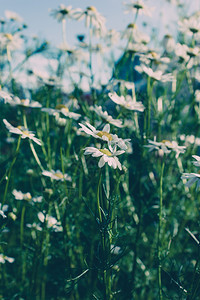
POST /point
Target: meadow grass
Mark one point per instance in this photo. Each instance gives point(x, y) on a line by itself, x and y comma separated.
point(99, 181)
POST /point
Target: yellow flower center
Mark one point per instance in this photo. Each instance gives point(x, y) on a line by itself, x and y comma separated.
point(105, 151)
point(104, 133)
point(166, 141)
point(91, 8)
point(132, 25)
point(9, 36)
point(59, 175)
point(154, 54)
point(62, 106)
point(27, 196)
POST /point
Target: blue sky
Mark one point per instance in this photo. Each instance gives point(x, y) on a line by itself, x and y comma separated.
point(36, 16)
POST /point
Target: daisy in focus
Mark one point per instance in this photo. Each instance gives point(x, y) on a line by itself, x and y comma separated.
point(91, 130)
point(24, 132)
point(108, 156)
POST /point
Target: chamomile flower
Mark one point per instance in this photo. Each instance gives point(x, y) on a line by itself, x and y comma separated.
point(189, 26)
point(127, 102)
point(21, 196)
point(108, 156)
point(24, 132)
point(104, 115)
point(26, 196)
point(192, 178)
point(62, 108)
point(138, 7)
point(92, 19)
point(91, 130)
point(50, 221)
point(166, 147)
point(57, 175)
point(4, 258)
point(156, 75)
point(13, 16)
point(23, 102)
point(62, 12)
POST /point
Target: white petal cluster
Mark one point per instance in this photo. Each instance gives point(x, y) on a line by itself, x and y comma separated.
point(128, 102)
point(24, 132)
point(108, 156)
point(166, 147)
point(57, 175)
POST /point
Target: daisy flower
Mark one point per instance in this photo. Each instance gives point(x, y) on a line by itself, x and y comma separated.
point(189, 26)
point(91, 130)
point(24, 132)
point(57, 175)
point(26, 196)
point(62, 108)
point(108, 156)
point(92, 18)
point(104, 115)
point(13, 16)
point(50, 221)
point(22, 102)
point(21, 196)
point(127, 102)
point(62, 12)
point(156, 75)
point(4, 258)
point(192, 178)
point(138, 7)
point(166, 147)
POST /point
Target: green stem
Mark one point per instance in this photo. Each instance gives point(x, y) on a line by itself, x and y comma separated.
point(149, 98)
point(159, 231)
point(10, 170)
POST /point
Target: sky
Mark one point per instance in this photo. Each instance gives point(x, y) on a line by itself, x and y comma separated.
point(37, 16)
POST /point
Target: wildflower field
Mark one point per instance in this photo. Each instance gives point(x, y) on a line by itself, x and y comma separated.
point(99, 159)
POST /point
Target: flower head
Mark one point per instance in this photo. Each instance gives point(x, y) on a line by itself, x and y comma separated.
point(138, 7)
point(24, 132)
point(4, 258)
point(108, 156)
point(166, 147)
point(62, 108)
point(92, 18)
point(57, 175)
point(62, 12)
point(156, 75)
point(104, 115)
point(91, 130)
point(127, 102)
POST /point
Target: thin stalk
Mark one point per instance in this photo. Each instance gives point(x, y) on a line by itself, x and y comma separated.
point(10, 170)
point(159, 232)
point(149, 98)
